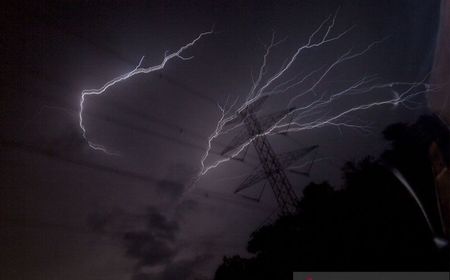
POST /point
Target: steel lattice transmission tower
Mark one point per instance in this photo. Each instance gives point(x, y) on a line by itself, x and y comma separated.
point(273, 167)
point(281, 187)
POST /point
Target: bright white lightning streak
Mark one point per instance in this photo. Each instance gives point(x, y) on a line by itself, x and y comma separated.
point(292, 121)
point(137, 70)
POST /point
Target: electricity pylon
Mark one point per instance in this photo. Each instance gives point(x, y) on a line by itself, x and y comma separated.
point(273, 169)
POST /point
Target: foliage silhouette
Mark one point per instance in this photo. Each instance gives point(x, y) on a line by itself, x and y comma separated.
point(370, 224)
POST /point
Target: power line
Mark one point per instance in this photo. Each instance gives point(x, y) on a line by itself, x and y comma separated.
point(120, 123)
point(49, 20)
point(81, 162)
point(33, 149)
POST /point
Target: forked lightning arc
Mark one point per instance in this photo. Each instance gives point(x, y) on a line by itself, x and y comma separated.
point(137, 70)
point(307, 115)
point(303, 115)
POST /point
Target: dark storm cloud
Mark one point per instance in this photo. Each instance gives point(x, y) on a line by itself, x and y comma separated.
point(176, 181)
point(112, 222)
point(98, 222)
point(149, 239)
point(141, 276)
point(160, 225)
point(148, 249)
point(171, 187)
point(184, 269)
point(186, 206)
point(155, 244)
point(149, 244)
point(179, 270)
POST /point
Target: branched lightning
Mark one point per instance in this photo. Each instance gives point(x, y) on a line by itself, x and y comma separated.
point(137, 70)
point(308, 115)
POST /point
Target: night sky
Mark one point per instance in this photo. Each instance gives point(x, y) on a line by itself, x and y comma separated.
point(68, 212)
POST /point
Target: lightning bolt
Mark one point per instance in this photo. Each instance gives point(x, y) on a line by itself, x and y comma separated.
point(311, 114)
point(137, 70)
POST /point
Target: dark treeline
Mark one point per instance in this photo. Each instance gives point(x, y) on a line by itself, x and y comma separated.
point(371, 223)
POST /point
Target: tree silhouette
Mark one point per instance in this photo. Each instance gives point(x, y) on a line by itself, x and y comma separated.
point(372, 223)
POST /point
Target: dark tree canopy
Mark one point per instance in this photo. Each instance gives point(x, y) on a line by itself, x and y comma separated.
point(371, 223)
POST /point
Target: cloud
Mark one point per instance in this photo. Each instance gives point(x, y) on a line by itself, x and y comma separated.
point(160, 225)
point(148, 249)
point(99, 222)
point(151, 239)
point(156, 247)
point(142, 276)
point(156, 243)
point(184, 269)
point(170, 187)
